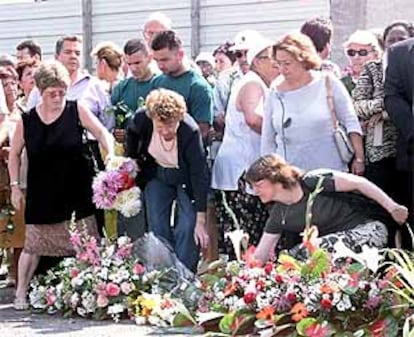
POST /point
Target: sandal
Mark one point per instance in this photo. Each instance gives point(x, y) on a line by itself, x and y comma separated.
point(20, 304)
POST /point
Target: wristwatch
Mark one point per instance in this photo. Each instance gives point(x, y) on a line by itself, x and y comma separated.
point(14, 183)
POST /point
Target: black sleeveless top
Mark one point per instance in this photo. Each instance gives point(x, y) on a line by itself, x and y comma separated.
point(59, 179)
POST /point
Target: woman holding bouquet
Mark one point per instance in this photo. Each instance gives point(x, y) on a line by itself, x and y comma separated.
point(356, 219)
point(60, 173)
point(167, 144)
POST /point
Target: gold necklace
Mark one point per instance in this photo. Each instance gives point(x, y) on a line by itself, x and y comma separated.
point(284, 214)
point(163, 145)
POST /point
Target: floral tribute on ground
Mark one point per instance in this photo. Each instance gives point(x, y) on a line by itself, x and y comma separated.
point(346, 294)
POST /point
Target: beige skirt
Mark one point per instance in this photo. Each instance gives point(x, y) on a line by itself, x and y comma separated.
point(54, 239)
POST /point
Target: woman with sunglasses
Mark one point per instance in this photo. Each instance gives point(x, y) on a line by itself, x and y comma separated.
point(361, 47)
point(59, 177)
point(297, 122)
point(381, 135)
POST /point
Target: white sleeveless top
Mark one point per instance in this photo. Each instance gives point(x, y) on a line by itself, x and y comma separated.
point(241, 145)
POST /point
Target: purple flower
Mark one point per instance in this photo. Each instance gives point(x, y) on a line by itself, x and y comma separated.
point(129, 166)
point(105, 188)
point(373, 302)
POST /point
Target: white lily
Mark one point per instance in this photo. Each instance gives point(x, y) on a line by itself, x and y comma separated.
point(370, 257)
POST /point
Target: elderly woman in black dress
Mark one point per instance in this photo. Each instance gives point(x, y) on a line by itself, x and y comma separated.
point(59, 175)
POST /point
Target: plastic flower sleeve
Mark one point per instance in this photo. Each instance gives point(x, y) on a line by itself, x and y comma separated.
point(157, 255)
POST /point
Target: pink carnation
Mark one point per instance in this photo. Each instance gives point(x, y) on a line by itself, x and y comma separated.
point(126, 288)
point(74, 272)
point(138, 269)
point(50, 297)
point(112, 289)
point(102, 301)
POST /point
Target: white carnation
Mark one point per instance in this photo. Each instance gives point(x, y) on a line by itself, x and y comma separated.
point(129, 202)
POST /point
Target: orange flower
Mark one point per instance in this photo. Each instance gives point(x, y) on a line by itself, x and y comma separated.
point(327, 289)
point(230, 289)
point(310, 239)
point(299, 312)
point(266, 313)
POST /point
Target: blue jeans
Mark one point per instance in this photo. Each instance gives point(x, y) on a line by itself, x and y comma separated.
point(159, 198)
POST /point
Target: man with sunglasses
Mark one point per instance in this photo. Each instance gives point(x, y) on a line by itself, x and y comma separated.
point(361, 47)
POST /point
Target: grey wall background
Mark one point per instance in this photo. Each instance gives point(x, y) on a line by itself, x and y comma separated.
point(202, 24)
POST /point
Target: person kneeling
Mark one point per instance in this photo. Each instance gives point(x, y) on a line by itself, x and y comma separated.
point(355, 218)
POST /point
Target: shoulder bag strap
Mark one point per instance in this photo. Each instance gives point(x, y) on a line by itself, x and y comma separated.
point(330, 99)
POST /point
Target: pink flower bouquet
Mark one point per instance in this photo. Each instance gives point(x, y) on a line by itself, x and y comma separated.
point(115, 188)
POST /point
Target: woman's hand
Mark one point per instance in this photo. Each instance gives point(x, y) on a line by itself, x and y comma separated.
point(358, 166)
point(16, 197)
point(399, 213)
point(201, 237)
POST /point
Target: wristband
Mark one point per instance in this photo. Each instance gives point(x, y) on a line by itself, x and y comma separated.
point(359, 160)
point(14, 183)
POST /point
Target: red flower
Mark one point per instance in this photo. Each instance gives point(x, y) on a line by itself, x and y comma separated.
point(279, 278)
point(127, 181)
point(249, 298)
point(260, 284)
point(291, 297)
point(326, 303)
point(377, 328)
point(268, 268)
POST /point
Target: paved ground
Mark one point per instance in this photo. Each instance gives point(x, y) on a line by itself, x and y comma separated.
point(26, 324)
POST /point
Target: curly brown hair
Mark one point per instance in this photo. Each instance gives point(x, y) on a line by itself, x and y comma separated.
point(165, 105)
point(301, 48)
point(275, 169)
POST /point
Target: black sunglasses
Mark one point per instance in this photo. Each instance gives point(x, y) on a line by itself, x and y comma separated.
point(240, 53)
point(361, 52)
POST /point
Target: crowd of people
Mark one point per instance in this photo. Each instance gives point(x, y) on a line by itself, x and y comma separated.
point(244, 128)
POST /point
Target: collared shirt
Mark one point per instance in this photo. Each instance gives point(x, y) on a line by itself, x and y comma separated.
point(90, 91)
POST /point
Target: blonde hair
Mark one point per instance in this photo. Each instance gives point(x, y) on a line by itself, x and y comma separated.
point(109, 52)
point(165, 105)
point(301, 47)
point(275, 169)
point(51, 74)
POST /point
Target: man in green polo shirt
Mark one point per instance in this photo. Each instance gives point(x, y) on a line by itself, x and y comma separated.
point(169, 54)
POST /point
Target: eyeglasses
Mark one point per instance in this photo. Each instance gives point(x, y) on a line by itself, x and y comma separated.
point(56, 93)
point(240, 53)
point(361, 52)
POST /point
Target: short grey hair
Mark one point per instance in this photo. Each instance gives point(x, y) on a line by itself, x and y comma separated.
point(51, 74)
